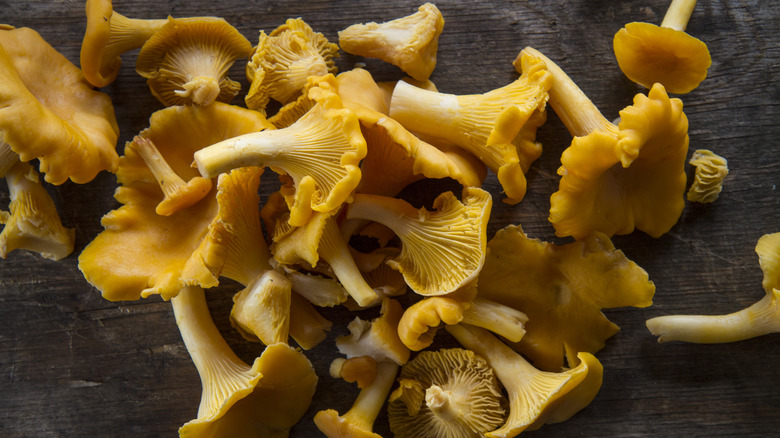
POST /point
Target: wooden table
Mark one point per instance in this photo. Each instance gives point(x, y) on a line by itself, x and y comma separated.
point(73, 364)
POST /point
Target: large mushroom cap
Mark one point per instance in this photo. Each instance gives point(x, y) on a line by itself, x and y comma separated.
point(648, 54)
point(187, 60)
point(49, 111)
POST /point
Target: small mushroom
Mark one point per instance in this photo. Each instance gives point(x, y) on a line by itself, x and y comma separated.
point(617, 178)
point(187, 60)
point(108, 35)
point(711, 170)
point(409, 43)
point(446, 393)
point(648, 53)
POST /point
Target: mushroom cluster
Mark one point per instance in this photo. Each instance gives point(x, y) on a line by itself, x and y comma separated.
point(526, 313)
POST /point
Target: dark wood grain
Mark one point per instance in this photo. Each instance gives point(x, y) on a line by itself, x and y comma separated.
point(73, 364)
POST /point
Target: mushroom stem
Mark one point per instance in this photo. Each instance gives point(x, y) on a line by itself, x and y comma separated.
point(369, 402)
point(761, 318)
point(178, 193)
point(8, 158)
point(499, 319)
point(444, 404)
point(255, 149)
point(678, 14)
point(573, 107)
point(210, 352)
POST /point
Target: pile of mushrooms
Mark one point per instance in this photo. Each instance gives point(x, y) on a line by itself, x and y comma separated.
point(526, 313)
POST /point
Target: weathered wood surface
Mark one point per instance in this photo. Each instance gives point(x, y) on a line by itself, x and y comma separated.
point(73, 364)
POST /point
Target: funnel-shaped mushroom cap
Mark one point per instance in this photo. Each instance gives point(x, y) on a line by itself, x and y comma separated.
point(625, 177)
point(409, 43)
point(535, 397)
point(562, 289)
point(648, 54)
point(33, 223)
point(761, 318)
point(461, 396)
point(491, 126)
point(320, 153)
point(108, 35)
point(264, 399)
point(187, 61)
point(442, 249)
point(49, 111)
point(141, 252)
point(283, 61)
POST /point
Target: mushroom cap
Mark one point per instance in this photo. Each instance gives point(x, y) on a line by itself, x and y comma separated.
point(281, 396)
point(409, 42)
point(187, 60)
point(648, 54)
point(75, 129)
point(98, 71)
point(283, 61)
point(768, 250)
point(442, 250)
point(462, 396)
point(634, 177)
point(564, 289)
point(262, 309)
point(141, 252)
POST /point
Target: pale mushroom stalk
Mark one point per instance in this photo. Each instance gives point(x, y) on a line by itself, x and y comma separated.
point(534, 396)
point(759, 319)
point(359, 419)
point(178, 193)
point(499, 319)
point(334, 250)
point(573, 107)
point(222, 373)
point(678, 14)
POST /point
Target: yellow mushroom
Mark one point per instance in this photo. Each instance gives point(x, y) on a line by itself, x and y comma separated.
point(615, 178)
point(711, 170)
point(110, 34)
point(320, 153)
point(140, 252)
point(50, 112)
point(446, 393)
point(562, 289)
point(648, 53)
point(320, 238)
point(262, 309)
point(358, 422)
point(409, 43)
point(283, 61)
point(535, 397)
point(761, 318)
point(32, 223)
point(264, 399)
point(187, 60)
point(360, 369)
point(377, 338)
point(491, 126)
point(442, 249)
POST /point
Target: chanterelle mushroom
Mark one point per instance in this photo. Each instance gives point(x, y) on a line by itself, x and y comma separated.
point(648, 54)
point(535, 397)
point(615, 178)
point(449, 393)
point(761, 318)
point(409, 42)
point(108, 35)
point(33, 223)
point(50, 112)
point(187, 61)
point(711, 170)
